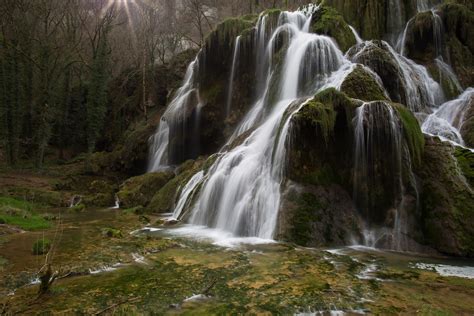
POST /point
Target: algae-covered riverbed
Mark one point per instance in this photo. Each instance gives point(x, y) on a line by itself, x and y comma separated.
point(165, 271)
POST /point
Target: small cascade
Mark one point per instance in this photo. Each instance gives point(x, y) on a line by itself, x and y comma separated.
point(75, 200)
point(421, 91)
point(378, 170)
point(171, 119)
point(117, 203)
point(437, 24)
point(425, 5)
point(447, 73)
point(232, 74)
point(241, 190)
point(448, 119)
point(437, 33)
point(394, 20)
point(187, 191)
point(401, 43)
point(359, 40)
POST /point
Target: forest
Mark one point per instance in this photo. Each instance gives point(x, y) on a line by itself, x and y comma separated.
point(222, 157)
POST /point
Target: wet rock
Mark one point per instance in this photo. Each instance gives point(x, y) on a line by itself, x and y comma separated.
point(327, 21)
point(141, 189)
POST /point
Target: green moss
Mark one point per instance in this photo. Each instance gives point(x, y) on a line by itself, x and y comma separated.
point(329, 22)
point(324, 175)
point(465, 159)
point(78, 208)
point(304, 215)
point(339, 101)
point(359, 84)
point(112, 232)
point(41, 246)
point(412, 133)
point(141, 189)
point(320, 115)
point(163, 201)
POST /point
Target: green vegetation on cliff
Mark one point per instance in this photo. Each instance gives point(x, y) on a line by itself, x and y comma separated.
point(327, 21)
point(412, 133)
point(360, 84)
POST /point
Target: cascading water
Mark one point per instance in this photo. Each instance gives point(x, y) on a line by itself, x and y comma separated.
point(448, 119)
point(232, 74)
point(174, 115)
point(394, 20)
point(241, 191)
point(447, 73)
point(420, 90)
point(379, 150)
point(437, 24)
point(359, 40)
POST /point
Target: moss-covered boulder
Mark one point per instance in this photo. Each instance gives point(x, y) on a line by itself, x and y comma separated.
point(141, 189)
point(321, 134)
point(361, 84)
point(421, 37)
point(316, 207)
point(163, 201)
point(447, 198)
point(327, 21)
point(458, 21)
point(317, 216)
point(379, 57)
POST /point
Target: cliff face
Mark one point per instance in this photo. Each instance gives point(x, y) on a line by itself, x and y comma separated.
point(357, 164)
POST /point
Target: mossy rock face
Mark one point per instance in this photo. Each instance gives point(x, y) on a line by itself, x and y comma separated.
point(204, 129)
point(447, 198)
point(458, 23)
point(317, 216)
point(41, 246)
point(373, 18)
point(360, 84)
point(163, 201)
point(321, 134)
point(412, 133)
point(420, 38)
point(467, 129)
point(327, 21)
point(141, 189)
point(377, 57)
point(451, 88)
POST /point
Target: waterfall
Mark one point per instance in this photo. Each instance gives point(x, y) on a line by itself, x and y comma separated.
point(379, 154)
point(394, 19)
point(445, 71)
point(356, 35)
point(437, 33)
point(240, 192)
point(437, 24)
point(421, 91)
point(186, 192)
point(232, 74)
point(401, 43)
point(448, 119)
point(174, 115)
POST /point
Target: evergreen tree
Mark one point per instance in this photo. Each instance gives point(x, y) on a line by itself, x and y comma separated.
point(97, 93)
